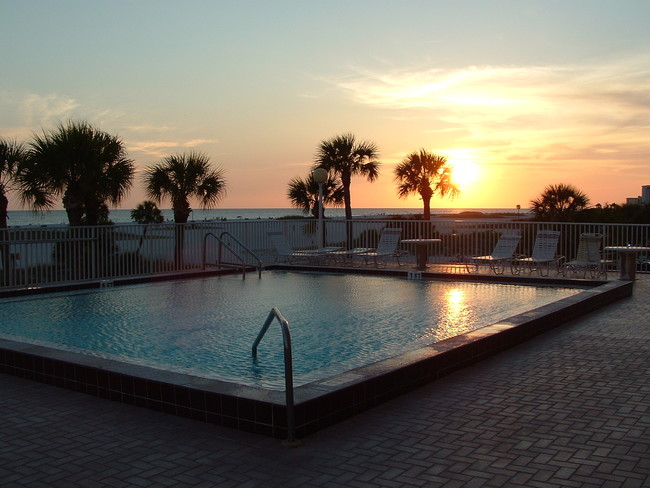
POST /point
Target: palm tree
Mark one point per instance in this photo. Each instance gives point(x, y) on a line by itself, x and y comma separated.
point(182, 177)
point(425, 174)
point(344, 158)
point(85, 166)
point(12, 154)
point(147, 212)
point(303, 194)
point(559, 203)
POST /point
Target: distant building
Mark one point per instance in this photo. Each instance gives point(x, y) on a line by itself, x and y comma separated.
point(640, 200)
point(645, 194)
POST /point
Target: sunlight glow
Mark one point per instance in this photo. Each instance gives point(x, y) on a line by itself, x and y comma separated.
point(464, 171)
point(455, 298)
point(456, 315)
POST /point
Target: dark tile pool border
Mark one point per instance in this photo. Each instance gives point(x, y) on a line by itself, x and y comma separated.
point(317, 405)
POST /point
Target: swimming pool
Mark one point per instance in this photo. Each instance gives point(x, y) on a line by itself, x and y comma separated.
point(207, 327)
point(343, 365)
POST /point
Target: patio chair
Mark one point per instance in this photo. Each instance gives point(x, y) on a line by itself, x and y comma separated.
point(284, 251)
point(543, 255)
point(588, 257)
point(344, 256)
point(502, 254)
point(386, 247)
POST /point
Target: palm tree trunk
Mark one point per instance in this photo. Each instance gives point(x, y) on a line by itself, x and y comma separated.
point(74, 208)
point(427, 208)
point(144, 234)
point(92, 213)
point(348, 205)
point(345, 182)
point(179, 232)
point(182, 212)
point(4, 205)
point(4, 238)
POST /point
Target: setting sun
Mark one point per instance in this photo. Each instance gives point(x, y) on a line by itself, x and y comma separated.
point(464, 173)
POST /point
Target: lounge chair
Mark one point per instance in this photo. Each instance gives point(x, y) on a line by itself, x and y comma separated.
point(543, 255)
point(284, 251)
point(588, 257)
point(386, 248)
point(502, 254)
point(343, 256)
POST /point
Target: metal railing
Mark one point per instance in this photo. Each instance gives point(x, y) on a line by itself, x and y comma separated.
point(233, 253)
point(288, 369)
point(50, 255)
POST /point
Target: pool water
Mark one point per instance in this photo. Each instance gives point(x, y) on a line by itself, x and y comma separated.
point(207, 326)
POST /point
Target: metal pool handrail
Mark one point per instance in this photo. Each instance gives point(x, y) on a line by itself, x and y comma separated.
point(222, 243)
point(288, 370)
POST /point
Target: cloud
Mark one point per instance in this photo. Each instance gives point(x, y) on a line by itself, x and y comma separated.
point(198, 142)
point(517, 89)
point(158, 149)
point(147, 128)
point(21, 113)
point(46, 109)
point(161, 149)
point(515, 113)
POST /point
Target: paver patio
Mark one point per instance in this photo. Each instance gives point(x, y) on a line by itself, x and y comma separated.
point(569, 408)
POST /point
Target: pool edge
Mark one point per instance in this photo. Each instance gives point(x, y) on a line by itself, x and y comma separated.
point(318, 404)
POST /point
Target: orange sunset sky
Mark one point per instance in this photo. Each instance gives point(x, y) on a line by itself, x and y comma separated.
point(518, 94)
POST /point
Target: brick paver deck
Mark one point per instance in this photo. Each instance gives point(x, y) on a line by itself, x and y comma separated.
point(569, 408)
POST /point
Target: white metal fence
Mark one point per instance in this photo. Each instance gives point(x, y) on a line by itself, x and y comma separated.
point(39, 256)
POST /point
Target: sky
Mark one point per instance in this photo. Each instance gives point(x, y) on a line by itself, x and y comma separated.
point(517, 94)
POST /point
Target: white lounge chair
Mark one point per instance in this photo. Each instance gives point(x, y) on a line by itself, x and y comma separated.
point(344, 256)
point(588, 257)
point(502, 254)
point(543, 255)
point(386, 247)
point(284, 251)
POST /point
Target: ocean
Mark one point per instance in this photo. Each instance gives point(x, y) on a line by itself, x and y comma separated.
point(17, 218)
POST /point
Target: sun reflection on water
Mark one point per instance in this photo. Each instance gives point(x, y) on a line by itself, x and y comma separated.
point(455, 317)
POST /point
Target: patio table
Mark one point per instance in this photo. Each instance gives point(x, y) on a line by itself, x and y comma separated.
point(627, 255)
point(421, 250)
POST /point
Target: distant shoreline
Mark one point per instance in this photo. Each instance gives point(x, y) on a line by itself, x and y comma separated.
point(484, 215)
point(22, 218)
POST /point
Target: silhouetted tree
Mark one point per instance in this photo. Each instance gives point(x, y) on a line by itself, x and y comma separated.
point(181, 177)
point(559, 203)
point(147, 212)
point(425, 174)
point(85, 166)
point(344, 158)
point(615, 213)
point(303, 194)
point(12, 154)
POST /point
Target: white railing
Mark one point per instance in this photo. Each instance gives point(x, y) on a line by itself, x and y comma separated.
point(40, 256)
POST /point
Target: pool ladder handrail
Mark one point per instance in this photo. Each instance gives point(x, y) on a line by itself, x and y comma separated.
point(222, 244)
point(288, 371)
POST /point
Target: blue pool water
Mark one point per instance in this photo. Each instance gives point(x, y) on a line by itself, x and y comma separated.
point(207, 327)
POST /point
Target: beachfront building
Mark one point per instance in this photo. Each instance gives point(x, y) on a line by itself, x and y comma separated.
point(645, 194)
point(643, 199)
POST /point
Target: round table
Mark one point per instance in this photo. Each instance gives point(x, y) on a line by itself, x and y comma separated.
point(627, 256)
point(421, 250)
